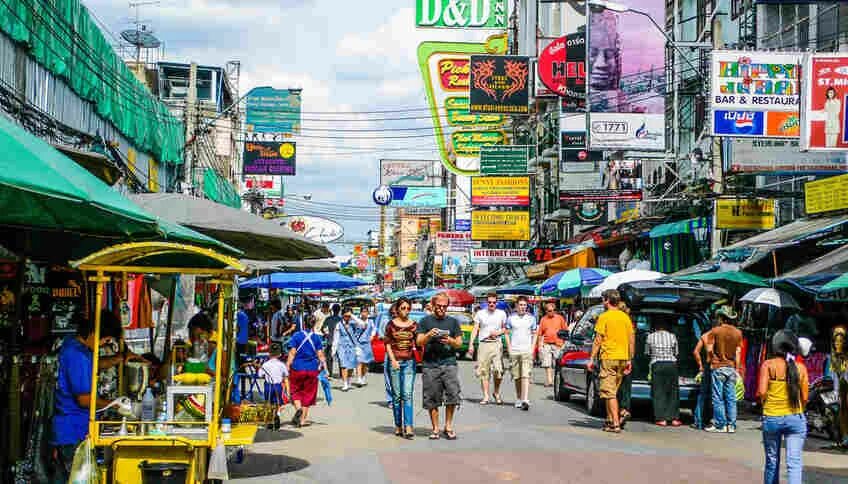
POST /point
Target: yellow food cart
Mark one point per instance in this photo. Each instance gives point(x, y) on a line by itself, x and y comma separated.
point(174, 442)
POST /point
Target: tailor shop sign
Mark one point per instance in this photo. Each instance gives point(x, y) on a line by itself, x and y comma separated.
point(461, 14)
point(269, 158)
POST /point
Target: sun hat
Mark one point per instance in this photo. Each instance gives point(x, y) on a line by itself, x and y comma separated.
point(727, 312)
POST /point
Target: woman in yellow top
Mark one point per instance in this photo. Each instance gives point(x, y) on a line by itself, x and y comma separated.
point(783, 389)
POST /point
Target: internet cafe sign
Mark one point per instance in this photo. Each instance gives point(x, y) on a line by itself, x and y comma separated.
point(461, 14)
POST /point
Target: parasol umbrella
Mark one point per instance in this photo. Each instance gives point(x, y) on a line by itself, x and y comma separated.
point(571, 282)
point(458, 297)
point(772, 297)
point(619, 278)
point(258, 238)
point(737, 282)
point(302, 280)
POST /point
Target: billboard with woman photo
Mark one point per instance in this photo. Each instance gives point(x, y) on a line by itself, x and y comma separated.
point(825, 86)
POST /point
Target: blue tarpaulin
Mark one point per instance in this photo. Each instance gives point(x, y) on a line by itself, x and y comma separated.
point(302, 280)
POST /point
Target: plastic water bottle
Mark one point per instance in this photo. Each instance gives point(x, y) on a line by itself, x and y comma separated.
point(148, 406)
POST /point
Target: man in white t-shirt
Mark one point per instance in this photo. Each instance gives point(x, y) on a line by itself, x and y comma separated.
point(489, 325)
point(320, 315)
point(521, 339)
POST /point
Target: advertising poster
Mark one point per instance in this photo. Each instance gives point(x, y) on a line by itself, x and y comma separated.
point(745, 214)
point(268, 185)
point(319, 229)
point(755, 94)
point(445, 68)
point(496, 225)
point(826, 195)
point(272, 110)
point(454, 263)
point(269, 158)
point(469, 14)
point(562, 70)
point(425, 173)
point(626, 57)
point(500, 191)
point(825, 116)
point(455, 241)
point(499, 256)
point(500, 84)
point(610, 181)
point(419, 197)
point(779, 157)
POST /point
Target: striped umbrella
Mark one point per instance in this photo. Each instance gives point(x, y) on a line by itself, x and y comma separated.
point(570, 283)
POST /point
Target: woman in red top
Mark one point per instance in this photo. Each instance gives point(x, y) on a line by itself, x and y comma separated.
point(400, 347)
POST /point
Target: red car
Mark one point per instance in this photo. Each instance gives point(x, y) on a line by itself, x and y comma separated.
point(377, 345)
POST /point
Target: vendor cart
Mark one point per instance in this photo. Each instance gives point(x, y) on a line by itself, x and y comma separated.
point(138, 451)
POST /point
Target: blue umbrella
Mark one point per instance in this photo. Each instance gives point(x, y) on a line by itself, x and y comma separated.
point(569, 283)
point(519, 287)
point(302, 280)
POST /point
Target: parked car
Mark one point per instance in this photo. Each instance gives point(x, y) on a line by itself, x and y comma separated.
point(377, 344)
point(682, 304)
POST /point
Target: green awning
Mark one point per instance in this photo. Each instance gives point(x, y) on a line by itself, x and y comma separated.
point(220, 190)
point(738, 282)
point(679, 227)
point(42, 188)
point(840, 283)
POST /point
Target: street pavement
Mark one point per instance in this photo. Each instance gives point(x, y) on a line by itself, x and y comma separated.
point(352, 441)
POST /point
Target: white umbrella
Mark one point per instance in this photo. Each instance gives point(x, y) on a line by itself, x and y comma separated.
point(772, 297)
point(619, 278)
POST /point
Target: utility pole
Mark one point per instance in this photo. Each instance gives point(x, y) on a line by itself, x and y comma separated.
point(190, 118)
point(718, 167)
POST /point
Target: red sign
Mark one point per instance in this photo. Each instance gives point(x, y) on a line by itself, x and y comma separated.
point(545, 254)
point(562, 67)
point(455, 74)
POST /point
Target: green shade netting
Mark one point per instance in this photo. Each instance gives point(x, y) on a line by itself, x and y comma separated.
point(220, 190)
point(62, 36)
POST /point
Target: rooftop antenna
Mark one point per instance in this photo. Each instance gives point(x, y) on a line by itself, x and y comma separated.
point(140, 37)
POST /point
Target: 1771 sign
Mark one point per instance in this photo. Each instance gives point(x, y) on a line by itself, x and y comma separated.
point(461, 14)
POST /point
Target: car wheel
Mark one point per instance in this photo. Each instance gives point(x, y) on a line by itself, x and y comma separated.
point(561, 394)
point(593, 403)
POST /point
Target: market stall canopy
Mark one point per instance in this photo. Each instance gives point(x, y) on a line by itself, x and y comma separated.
point(42, 188)
point(312, 265)
point(836, 289)
point(165, 257)
point(258, 238)
point(737, 282)
point(792, 234)
point(302, 280)
point(619, 278)
point(522, 287)
point(834, 262)
point(677, 228)
point(583, 257)
point(481, 291)
point(572, 282)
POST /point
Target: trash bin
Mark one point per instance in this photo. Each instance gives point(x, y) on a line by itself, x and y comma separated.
point(163, 473)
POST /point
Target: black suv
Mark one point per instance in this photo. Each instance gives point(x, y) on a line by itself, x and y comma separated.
point(683, 304)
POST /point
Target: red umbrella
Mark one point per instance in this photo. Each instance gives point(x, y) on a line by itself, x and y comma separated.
point(458, 297)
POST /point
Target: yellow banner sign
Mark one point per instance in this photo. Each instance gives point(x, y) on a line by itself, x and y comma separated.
point(745, 214)
point(492, 225)
point(826, 195)
point(501, 191)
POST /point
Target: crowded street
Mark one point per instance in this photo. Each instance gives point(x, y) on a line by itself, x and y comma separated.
point(352, 441)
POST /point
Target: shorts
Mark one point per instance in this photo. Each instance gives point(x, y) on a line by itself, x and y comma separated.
point(489, 360)
point(612, 372)
point(521, 365)
point(548, 353)
point(440, 386)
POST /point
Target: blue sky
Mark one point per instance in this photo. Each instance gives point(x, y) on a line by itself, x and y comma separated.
point(348, 56)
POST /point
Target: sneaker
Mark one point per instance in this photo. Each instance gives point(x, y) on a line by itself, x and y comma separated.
point(731, 429)
point(518, 404)
point(716, 430)
point(525, 405)
point(346, 387)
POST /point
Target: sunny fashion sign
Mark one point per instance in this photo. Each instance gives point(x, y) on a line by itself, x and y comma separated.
point(825, 116)
point(755, 94)
point(500, 191)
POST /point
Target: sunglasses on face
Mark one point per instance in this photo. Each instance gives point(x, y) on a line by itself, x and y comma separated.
point(443, 306)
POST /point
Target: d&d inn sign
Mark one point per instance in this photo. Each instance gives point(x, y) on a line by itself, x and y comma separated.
point(461, 14)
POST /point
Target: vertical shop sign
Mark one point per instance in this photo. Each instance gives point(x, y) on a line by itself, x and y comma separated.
point(500, 84)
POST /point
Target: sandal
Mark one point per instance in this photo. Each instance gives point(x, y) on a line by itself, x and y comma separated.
point(611, 429)
point(409, 435)
point(676, 423)
point(449, 434)
point(398, 433)
point(295, 420)
point(498, 400)
point(624, 417)
point(661, 423)
point(434, 435)
point(484, 401)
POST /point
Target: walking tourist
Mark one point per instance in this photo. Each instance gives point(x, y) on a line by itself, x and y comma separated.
point(614, 344)
point(400, 347)
point(489, 326)
point(363, 331)
point(440, 336)
point(783, 389)
point(724, 347)
point(661, 348)
point(329, 332)
point(306, 359)
point(520, 338)
point(548, 342)
point(345, 347)
point(381, 333)
point(625, 390)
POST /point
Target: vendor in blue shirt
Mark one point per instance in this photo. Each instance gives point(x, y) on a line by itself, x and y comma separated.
point(73, 387)
point(243, 329)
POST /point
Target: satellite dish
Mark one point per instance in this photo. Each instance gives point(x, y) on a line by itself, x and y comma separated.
point(141, 38)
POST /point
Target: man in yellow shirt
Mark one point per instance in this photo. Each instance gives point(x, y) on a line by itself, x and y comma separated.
point(615, 341)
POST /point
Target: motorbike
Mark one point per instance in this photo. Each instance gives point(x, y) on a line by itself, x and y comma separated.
point(823, 409)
